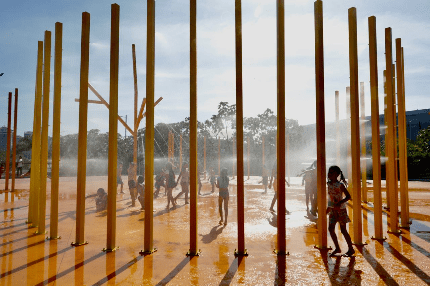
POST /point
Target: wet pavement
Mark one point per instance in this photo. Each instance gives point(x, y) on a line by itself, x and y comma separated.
point(31, 259)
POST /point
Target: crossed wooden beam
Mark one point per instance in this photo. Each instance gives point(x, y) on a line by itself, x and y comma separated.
point(104, 102)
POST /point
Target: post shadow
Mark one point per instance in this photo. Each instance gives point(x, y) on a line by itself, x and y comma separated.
point(174, 272)
point(238, 262)
point(112, 273)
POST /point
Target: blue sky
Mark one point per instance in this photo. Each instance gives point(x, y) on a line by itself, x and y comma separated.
point(23, 24)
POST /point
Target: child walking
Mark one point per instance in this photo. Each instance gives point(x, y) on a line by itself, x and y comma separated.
point(170, 184)
point(337, 209)
point(184, 176)
point(222, 184)
point(275, 186)
point(212, 179)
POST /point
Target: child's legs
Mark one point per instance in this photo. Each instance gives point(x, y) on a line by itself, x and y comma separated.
point(169, 195)
point(275, 197)
point(220, 199)
point(331, 229)
point(226, 208)
point(346, 234)
point(307, 200)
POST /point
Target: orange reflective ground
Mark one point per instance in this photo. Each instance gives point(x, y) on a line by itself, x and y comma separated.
point(31, 259)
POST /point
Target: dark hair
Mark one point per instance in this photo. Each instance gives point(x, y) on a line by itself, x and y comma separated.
point(140, 179)
point(101, 192)
point(339, 171)
point(224, 172)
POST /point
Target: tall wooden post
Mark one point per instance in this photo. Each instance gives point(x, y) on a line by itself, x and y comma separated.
point(136, 123)
point(249, 158)
point(204, 158)
point(348, 135)
point(193, 130)
point(355, 127)
point(376, 141)
point(363, 145)
point(15, 124)
point(390, 147)
point(403, 159)
point(387, 191)
point(336, 103)
point(148, 247)
point(55, 174)
point(9, 119)
point(320, 125)
point(44, 135)
point(33, 211)
point(404, 96)
point(395, 138)
point(113, 129)
point(239, 134)
point(280, 21)
point(82, 137)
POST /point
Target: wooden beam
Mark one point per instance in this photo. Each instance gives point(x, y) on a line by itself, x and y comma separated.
point(91, 101)
point(144, 114)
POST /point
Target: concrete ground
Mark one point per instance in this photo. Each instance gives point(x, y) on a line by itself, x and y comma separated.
point(31, 259)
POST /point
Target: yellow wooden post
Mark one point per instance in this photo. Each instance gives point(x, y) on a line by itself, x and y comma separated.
point(204, 158)
point(82, 137)
point(15, 124)
point(148, 247)
point(406, 171)
point(355, 127)
point(403, 159)
point(44, 135)
point(320, 125)
point(113, 129)
point(376, 143)
point(387, 191)
point(395, 138)
point(390, 147)
point(239, 134)
point(219, 156)
point(9, 116)
point(348, 135)
point(55, 174)
point(280, 20)
point(33, 211)
point(336, 103)
point(193, 130)
point(136, 119)
point(249, 158)
point(363, 145)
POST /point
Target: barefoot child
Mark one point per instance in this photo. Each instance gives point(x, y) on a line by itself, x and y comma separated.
point(337, 209)
point(212, 179)
point(118, 177)
point(170, 185)
point(265, 179)
point(101, 200)
point(159, 182)
point(222, 184)
point(141, 191)
point(184, 176)
point(275, 187)
point(132, 186)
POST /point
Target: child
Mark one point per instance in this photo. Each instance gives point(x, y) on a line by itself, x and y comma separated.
point(170, 184)
point(265, 179)
point(141, 191)
point(101, 200)
point(275, 187)
point(337, 209)
point(118, 177)
point(184, 176)
point(222, 184)
point(159, 182)
point(212, 179)
point(131, 178)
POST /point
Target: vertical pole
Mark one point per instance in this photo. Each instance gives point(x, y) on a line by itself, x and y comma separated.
point(219, 156)
point(9, 118)
point(44, 135)
point(395, 130)
point(33, 212)
point(149, 132)
point(336, 101)
point(113, 128)
point(204, 158)
point(390, 147)
point(376, 141)
point(387, 191)
point(249, 158)
point(239, 133)
point(55, 175)
point(193, 129)
point(320, 125)
point(15, 121)
point(136, 126)
point(280, 20)
point(403, 159)
point(82, 137)
point(363, 145)
point(355, 127)
point(348, 135)
point(406, 171)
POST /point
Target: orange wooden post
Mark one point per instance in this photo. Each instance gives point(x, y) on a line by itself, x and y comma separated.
point(9, 116)
point(149, 135)
point(404, 96)
point(387, 191)
point(355, 127)
point(15, 124)
point(376, 143)
point(320, 126)
point(363, 162)
point(280, 20)
point(82, 137)
point(241, 251)
point(44, 134)
point(348, 136)
point(33, 208)
point(194, 251)
point(113, 129)
point(136, 116)
point(55, 174)
point(390, 146)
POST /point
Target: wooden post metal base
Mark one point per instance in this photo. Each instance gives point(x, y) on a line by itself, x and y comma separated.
point(144, 253)
point(189, 253)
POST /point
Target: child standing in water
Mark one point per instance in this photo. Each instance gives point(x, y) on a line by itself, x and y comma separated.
point(184, 176)
point(170, 184)
point(337, 209)
point(118, 177)
point(273, 179)
point(212, 179)
point(222, 184)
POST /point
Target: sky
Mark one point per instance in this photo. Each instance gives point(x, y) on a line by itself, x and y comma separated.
point(23, 24)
